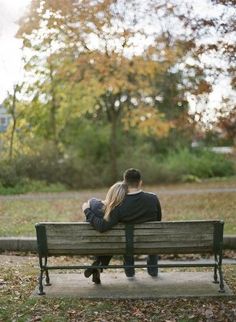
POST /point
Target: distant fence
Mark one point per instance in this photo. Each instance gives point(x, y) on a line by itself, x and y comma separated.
point(222, 149)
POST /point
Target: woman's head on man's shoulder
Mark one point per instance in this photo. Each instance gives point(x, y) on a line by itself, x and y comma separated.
point(115, 195)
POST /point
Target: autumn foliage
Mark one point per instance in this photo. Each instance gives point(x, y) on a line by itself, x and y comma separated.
point(119, 72)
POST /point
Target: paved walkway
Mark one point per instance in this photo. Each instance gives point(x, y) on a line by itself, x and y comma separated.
point(117, 286)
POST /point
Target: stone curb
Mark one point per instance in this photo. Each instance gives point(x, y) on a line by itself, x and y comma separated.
point(15, 244)
point(29, 244)
point(229, 242)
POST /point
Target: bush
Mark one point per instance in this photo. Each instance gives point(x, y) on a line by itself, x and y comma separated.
point(50, 171)
point(180, 165)
point(44, 166)
point(8, 175)
point(199, 164)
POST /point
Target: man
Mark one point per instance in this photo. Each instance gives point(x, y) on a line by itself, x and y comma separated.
point(137, 207)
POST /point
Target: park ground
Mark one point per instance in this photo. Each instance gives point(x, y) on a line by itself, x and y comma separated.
point(19, 279)
point(211, 199)
point(18, 272)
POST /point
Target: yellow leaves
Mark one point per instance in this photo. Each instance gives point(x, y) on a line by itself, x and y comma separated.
point(78, 100)
point(110, 71)
point(148, 121)
point(169, 54)
point(143, 68)
point(163, 53)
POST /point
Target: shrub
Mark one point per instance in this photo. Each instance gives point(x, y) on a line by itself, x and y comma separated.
point(8, 174)
point(50, 171)
point(200, 164)
point(45, 165)
point(179, 165)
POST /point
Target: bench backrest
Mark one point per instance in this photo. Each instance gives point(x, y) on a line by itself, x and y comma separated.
point(80, 238)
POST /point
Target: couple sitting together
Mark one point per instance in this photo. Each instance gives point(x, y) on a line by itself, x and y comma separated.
point(125, 202)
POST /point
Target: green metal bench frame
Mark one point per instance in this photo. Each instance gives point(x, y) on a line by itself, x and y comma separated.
point(217, 249)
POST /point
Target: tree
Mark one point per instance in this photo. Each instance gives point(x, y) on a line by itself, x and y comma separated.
point(117, 77)
point(11, 104)
point(227, 124)
point(110, 58)
point(215, 39)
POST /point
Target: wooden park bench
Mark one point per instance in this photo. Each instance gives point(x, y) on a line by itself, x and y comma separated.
point(176, 237)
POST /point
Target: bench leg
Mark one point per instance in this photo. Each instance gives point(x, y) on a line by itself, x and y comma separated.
point(47, 279)
point(46, 273)
point(221, 290)
point(215, 276)
point(215, 271)
point(40, 279)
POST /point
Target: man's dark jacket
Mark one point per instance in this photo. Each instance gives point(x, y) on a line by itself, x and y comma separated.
point(135, 208)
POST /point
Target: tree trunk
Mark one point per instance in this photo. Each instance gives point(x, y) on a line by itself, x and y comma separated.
point(13, 113)
point(53, 130)
point(53, 109)
point(12, 139)
point(113, 146)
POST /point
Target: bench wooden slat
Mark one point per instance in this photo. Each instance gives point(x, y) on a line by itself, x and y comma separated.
point(120, 248)
point(149, 238)
point(70, 230)
point(96, 245)
point(85, 225)
point(149, 232)
point(137, 239)
point(140, 229)
point(141, 251)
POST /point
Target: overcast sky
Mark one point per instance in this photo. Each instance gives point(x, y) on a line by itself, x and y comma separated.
point(11, 70)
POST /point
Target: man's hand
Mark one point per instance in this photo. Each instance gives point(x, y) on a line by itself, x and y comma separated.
point(85, 205)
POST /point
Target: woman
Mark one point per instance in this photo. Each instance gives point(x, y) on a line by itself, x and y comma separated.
point(103, 208)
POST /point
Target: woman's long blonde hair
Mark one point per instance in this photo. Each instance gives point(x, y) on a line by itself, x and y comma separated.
point(114, 197)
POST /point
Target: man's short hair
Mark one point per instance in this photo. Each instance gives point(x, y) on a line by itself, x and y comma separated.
point(132, 177)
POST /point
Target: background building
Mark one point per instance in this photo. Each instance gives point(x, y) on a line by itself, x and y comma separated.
point(4, 119)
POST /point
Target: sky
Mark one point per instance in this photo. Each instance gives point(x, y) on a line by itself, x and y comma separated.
point(11, 70)
point(11, 67)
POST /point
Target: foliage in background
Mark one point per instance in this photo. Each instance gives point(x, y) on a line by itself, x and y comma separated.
point(104, 91)
point(90, 168)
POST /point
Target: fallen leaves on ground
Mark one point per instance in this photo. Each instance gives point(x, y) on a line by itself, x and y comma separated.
point(18, 280)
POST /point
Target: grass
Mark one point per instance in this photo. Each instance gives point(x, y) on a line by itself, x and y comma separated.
point(18, 216)
point(18, 280)
point(18, 277)
point(200, 207)
point(24, 214)
point(31, 186)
